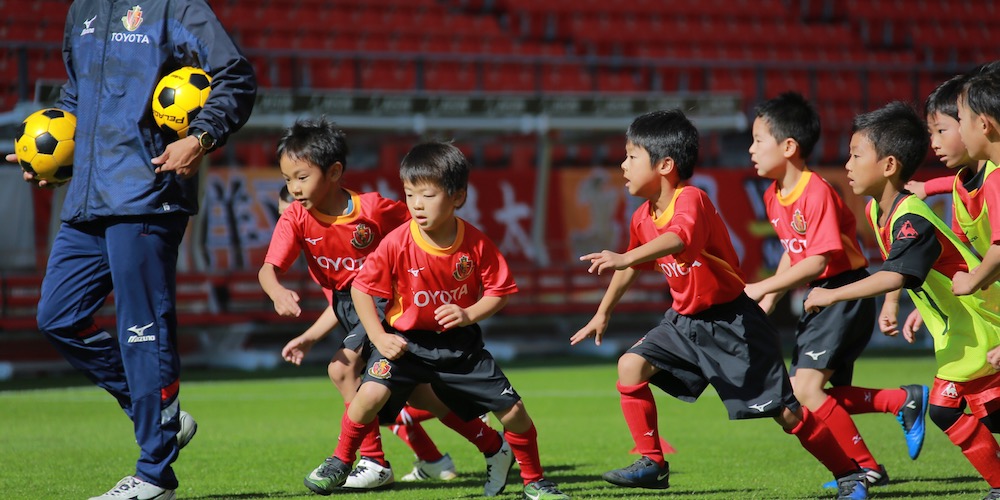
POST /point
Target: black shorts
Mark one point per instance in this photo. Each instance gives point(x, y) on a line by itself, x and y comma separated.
point(352, 334)
point(731, 346)
point(834, 337)
point(461, 371)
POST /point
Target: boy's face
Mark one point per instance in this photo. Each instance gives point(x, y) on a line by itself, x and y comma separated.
point(864, 169)
point(946, 141)
point(767, 155)
point(431, 207)
point(641, 179)
point(307, 182)
point(972, 129)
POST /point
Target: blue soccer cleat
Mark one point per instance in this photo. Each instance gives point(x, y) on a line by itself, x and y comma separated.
point(644, 473)
point(912, 417)
point(875, 477)
point(852, 487)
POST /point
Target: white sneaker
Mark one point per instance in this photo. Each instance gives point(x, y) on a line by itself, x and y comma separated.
point(369, 475)
point(443, 469)
point(133, 488)
point(188, 428)
point(497, 468)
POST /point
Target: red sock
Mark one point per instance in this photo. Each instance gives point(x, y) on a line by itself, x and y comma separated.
point(409, 415)
point(846, 433)
point(856, 400)
point(978, 446)
point(476, 432)
point(351, 436)
point(525, 448)
point(417, 439)
point(640, 416)
point(817, 439)
point(371, 446)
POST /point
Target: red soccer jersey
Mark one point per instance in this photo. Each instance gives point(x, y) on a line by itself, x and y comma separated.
point(418, 277)
point(335, 246)
point(813, 220)
point(707, 271)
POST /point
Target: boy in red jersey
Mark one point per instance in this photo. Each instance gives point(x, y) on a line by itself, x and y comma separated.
point(819, 234)
point(922, 255)
point(713, 332)
point(337, 229)
point(441, 276)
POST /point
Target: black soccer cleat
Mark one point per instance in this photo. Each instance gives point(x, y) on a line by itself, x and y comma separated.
point(644, 473)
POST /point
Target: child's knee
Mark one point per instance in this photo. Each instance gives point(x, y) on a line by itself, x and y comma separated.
point(944, 417)
point(515, 418)
point(633, 369)
point(371, 397)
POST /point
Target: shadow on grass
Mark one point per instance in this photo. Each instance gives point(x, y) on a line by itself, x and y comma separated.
point(242, 496)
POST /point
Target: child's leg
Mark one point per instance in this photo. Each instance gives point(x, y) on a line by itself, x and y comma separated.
point(359, 419)
point(638, 405)
point(520, 433)
point(808, 385)
point(857, 400)
point(974, 439)
point(344, 370)
point(484, 437)
point(817, 439)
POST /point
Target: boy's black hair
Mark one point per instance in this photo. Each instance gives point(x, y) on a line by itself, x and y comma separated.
point(317, 141)
point(944, 98)
point(981, 94)
point(791, 116)
point(438, 163)
point(896, 130)
point(667, 134)
point(284, 195)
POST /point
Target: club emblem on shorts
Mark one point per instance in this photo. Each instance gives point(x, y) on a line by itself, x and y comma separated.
point(798, 222)
point(380, 369)
point(463, 268)
point(760, 407)
point(363, 236)
point(950, 391)
point(133, 18)
point(906, 232)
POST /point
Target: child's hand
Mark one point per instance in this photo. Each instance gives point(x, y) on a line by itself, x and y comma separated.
point(888, 319)
point(450, 316)
point(389, 345)
point(286, 303)
point(817, 299)
point(595, 328)
point(994, 357)
point(961, 283)
point(913, 323)
point(754, 291)
point(767, 303)
point(296, 349)
point(917, 188)
point(30, 177)
point(605, 260)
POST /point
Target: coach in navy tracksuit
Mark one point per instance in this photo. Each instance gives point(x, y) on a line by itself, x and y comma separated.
point(128, 204)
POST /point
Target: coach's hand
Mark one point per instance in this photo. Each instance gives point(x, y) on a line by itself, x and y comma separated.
point(182, 157)
point(595, 328)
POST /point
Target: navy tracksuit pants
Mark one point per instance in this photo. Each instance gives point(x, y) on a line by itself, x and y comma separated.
point(139, 364)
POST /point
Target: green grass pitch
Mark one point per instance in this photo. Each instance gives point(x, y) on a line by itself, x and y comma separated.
point(258, 438)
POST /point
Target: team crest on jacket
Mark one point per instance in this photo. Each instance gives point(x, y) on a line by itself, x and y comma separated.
point(799, 222)
point(380, 369)
point(463, 268)
point(363, 236)
point(133, 18)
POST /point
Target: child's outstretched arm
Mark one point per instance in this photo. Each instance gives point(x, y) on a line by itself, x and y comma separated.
point(451, 315)
point(296, 349)
point(795, 276)
point(620, 283)
point(662, 245)
point(286, 302)
point(390, 346)
point(876, 284)
point(769, 300)
point(980, 276)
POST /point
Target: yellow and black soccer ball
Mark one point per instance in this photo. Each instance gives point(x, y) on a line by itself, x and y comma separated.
point(45, 144)
point(178, 99)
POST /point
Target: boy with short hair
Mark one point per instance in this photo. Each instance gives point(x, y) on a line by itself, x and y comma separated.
point(337, 229)
point(819, 234)
point(441, 276)
point(713, 333)
point(922, 255)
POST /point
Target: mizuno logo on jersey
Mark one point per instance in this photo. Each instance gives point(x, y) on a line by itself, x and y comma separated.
point(313, 241)
point(415, 271)
point(760, 407)
point(87, 30)
point(139, 331)
point(814, 355)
